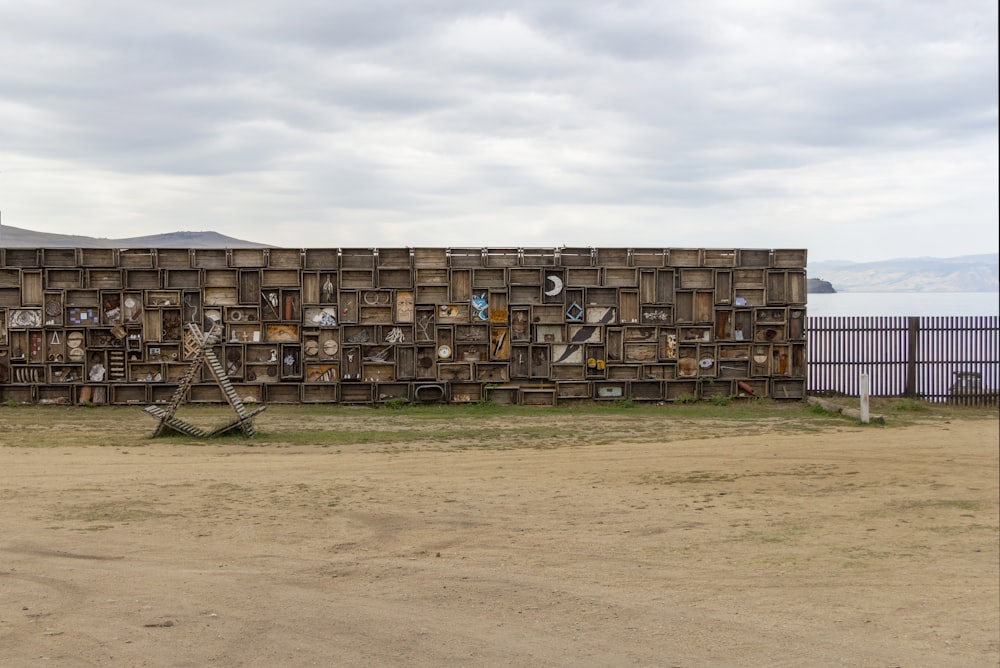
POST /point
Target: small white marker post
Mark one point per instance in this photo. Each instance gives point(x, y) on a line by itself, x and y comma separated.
point(865, 415)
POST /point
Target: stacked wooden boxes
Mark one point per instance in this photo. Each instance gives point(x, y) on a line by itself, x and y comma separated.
point(364, 326)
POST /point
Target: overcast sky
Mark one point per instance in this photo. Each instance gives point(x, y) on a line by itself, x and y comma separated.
point(858, 129)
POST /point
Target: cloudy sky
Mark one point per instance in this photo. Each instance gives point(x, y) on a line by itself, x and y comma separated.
point(859, 129)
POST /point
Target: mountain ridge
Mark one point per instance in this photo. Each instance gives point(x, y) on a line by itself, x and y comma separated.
point(16, 237)
point(966, 273)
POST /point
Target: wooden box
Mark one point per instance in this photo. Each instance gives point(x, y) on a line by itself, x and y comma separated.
point(173, 258)
point(210, 258)
point(394, 257)
point(60, 257)
point(247, 257)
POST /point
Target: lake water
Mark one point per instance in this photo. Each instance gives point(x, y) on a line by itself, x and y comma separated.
point(904, 304)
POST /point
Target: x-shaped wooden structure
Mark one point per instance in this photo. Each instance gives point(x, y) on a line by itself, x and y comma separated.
point(198, 348)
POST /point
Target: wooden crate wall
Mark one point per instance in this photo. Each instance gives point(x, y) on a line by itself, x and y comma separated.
point(364, 326)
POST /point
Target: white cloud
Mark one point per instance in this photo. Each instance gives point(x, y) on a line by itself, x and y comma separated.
point(860, 130)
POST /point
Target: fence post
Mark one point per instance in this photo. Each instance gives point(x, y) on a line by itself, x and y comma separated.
point(913, 334)
point(865, 405)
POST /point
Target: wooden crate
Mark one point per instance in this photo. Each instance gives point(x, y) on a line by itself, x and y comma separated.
point(142, 279)
point(717, 388)
point(282, 393)
point(356, 393)
point(573, 390)
point(98, 257)
point(583, 277)
point(492, 372)
point(248, 257)
point(63, 278)
point(395, 278)
point(623, 371)
point(789, 258)
point(21, 257)
point(55, 394)
point(89, 298)
point(357, 258)
point(136, 258)
point(503, 395)
point(432, 276)
point(612, 257)
point(718, 257)
point(648, 257)
point(60, 257)
point(576, 257)
point(324, 259)
point(284, 258)
point(538, 257)
point(392, 392)
point(205, 394)
point(183, 278)
point(489, 278)
point(502, 257)
point(19, 395)
point(173, 258)
point(620, 277)
point(31, 287)
point(566, 372)
point(461, 285)
point(646, 390)
point(221, 297)
point(679, 389)
point(788, 389)
point(524, 276)
point(357, 278)
point(279, 278)
point(466, 393)
point(11, 278)
point(430, 257)
point(538, 396)
point(104, 278)
point(754, 257)
point(394, 257)
point(525, 294)
point(210, 258)
point(129, 394)
point(691, 278)
point(465, 257)
point(249, 394)
point(684, 257)
point(324, 393)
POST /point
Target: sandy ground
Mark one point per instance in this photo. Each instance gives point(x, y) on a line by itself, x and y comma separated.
point(849, 546)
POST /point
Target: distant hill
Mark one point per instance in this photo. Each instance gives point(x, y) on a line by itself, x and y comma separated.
point(967, 273)
point(819, 287)
point(16, 237)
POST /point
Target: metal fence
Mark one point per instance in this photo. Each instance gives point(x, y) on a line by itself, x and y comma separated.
point(954, 359)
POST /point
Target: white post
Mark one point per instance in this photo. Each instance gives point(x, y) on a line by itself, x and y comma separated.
point(865, 415)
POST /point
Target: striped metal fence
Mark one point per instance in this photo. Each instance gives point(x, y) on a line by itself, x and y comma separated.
point(954, 359)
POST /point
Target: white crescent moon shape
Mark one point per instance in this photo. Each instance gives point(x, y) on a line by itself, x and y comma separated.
point(557, 285)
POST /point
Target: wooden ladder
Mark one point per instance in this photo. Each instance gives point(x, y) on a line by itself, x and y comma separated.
point(198, 348)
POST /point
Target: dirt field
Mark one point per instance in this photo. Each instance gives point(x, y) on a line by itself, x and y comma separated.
point(551, 539)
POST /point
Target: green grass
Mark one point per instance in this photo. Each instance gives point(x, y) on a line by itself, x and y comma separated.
point(477, 425)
